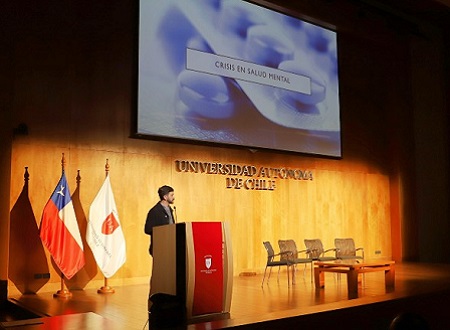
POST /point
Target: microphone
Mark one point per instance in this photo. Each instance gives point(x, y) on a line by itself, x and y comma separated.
point(175, 218)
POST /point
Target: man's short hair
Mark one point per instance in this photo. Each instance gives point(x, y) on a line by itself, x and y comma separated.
point(163, 191)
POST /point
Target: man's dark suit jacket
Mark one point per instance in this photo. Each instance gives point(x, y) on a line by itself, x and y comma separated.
point(157, 216)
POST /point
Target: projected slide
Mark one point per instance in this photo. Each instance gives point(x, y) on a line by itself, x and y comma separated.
point(237, 73)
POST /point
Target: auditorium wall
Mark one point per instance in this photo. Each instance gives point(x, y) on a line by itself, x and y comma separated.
point(73, 86)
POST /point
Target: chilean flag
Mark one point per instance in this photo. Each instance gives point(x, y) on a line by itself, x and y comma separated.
point(104, 233)
point(59, 231)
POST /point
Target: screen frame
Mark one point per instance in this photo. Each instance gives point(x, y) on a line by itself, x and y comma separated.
point(226, 145)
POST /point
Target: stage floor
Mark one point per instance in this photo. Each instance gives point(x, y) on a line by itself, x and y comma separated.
point(253, 304)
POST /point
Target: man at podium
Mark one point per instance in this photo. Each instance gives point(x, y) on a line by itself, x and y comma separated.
point(161, 213)
point(192, 265)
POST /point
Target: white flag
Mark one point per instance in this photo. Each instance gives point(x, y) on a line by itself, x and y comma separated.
point(104, 233)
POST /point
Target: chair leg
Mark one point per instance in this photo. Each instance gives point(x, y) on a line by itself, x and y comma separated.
point(278, 275)
point(288, 275)
point(293, 273)
point(265, 270)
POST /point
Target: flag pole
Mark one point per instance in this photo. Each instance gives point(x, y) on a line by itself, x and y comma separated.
point(63, 292)
point(106, 288)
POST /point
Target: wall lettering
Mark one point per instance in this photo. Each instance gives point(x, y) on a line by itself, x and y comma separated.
point(249, 177)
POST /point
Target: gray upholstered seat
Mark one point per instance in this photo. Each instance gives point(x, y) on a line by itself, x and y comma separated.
point(317, 252)
point(272, 262)
point(290, 252)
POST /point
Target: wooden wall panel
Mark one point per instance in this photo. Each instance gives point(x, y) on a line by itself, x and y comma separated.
point(379, 221)
point(333, 204)
point(336, 203)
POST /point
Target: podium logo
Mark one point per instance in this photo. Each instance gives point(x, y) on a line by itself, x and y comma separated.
point(208, 265)
point(208, 261)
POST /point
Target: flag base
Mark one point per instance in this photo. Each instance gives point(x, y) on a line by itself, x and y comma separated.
point(63, 294)
point(106, 289)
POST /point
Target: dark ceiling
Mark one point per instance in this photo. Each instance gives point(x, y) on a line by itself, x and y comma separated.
point(434, 11)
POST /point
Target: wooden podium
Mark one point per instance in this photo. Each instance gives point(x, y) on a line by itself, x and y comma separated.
point(193, 261)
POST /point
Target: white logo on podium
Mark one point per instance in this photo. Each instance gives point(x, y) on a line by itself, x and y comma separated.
point(208, 261)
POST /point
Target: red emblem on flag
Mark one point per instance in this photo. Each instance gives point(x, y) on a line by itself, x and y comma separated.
point(109, 225)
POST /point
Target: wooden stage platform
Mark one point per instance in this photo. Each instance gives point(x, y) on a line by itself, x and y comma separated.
point(423, 289)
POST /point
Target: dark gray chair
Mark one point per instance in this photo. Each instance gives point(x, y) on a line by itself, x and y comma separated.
point(317, 252)
point(289, 251)
point(271, 262)
point(345, 249)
